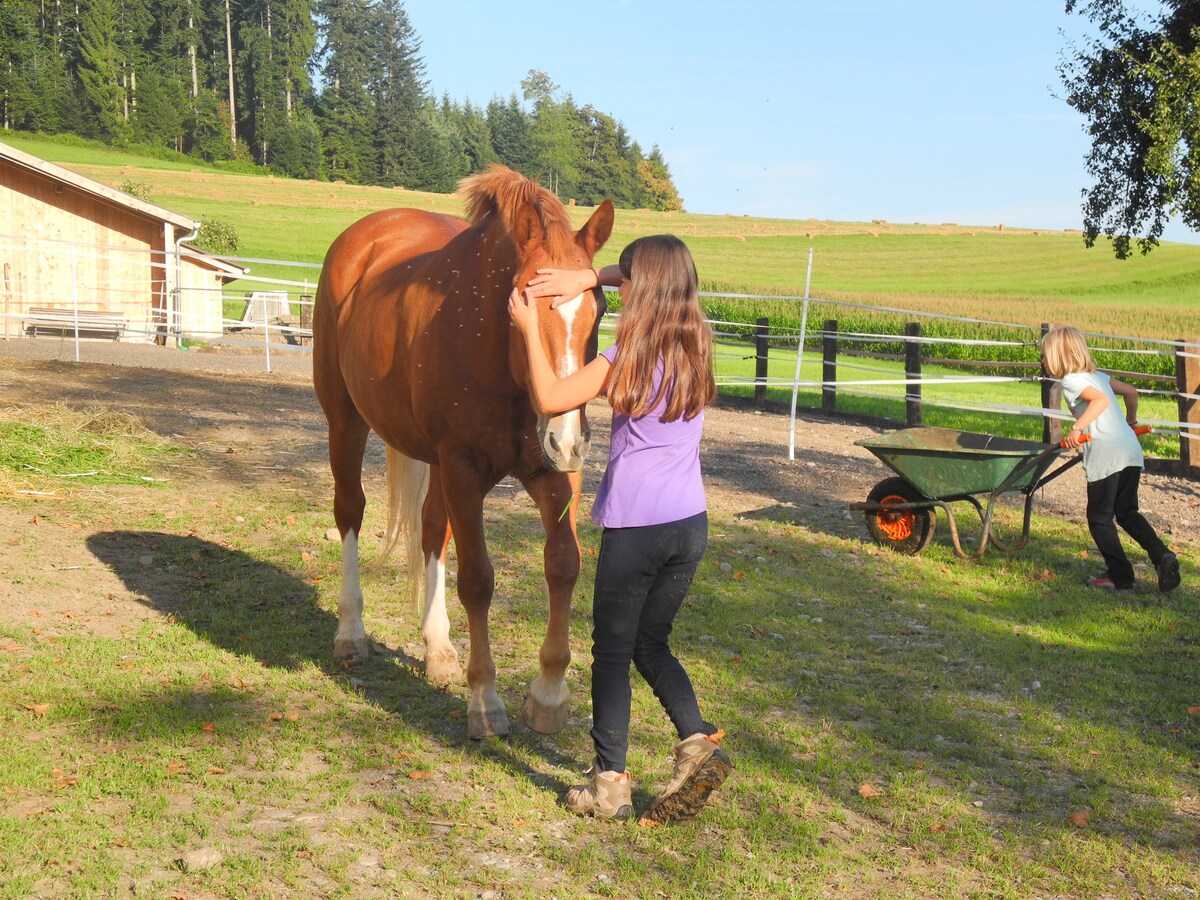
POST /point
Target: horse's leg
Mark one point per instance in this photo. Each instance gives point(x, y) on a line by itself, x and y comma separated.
point(464, 490)
point(441, 659)
point(347, 442)
point(547, 702)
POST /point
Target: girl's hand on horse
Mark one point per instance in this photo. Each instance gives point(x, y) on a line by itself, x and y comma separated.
point(522, 309)
point(562, 284)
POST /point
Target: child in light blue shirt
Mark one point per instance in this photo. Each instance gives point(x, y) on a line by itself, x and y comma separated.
point(1112, 460)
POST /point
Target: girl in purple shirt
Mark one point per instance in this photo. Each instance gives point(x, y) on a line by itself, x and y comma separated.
point(650, 503)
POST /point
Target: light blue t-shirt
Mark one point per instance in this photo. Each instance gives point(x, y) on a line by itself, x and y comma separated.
point(653, 474)
point(1113, 446)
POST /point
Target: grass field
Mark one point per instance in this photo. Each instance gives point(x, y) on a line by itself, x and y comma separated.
point(1001, 273)
point(902, 727)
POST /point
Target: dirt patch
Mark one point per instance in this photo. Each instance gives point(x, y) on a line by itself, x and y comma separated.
point(244, 425)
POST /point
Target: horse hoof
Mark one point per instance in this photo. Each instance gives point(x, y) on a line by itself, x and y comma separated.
point(487, 723)
point(542, 718)
point(351, 651)
point(443, 670)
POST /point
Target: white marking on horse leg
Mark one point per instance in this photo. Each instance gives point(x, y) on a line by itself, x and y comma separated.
point(350, 642)
point(441, 659)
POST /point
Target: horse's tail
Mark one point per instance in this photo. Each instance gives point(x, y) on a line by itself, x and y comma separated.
point(408, 483)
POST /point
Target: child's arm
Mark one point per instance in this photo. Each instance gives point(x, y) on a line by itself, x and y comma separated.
point(1097, 402)
point(566, 284)
point(551, 394)
point(1128, 393)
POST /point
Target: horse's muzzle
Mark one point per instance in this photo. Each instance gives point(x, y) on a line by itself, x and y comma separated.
point(565, 440)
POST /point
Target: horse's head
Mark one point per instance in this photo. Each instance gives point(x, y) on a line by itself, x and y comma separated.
point(569, 331)
point(537, 224)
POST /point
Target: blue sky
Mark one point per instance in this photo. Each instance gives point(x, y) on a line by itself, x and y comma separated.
point(917, 111)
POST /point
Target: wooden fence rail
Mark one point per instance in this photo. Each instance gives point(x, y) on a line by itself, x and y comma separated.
point(1186, 382)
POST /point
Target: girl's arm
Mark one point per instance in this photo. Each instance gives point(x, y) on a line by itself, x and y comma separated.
point(567, 284)
point(1097, 402)
point(1128, 393)
point(551, 394)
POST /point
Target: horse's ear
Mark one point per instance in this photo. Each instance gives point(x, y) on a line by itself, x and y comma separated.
point(527, 228)
point(596, 232)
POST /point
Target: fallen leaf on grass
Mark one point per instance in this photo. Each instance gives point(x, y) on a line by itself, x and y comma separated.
point(38, 709)
point(215, 770)
point(208, 726)
point(1044, 575)
point(1194, 710)
point(1083, 554)
point(1080, 818)
point(292, 716)
point(736, 660)
point(937, 828)
point(868, 790)
point(738, 576)
point(12, 648)
point(178, 768)
point(418, 775)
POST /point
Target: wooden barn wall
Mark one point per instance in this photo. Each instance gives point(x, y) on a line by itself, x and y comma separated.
point(200, 300)
point(103, 261)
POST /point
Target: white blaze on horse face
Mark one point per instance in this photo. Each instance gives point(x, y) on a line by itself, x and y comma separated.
point(567, 428)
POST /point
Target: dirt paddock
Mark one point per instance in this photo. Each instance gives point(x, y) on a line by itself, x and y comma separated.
point(254, 422)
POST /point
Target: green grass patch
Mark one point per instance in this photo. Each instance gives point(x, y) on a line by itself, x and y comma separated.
point(58, 446)
point(983, 702)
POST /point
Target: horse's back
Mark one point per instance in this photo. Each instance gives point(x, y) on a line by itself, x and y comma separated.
point(380, 241)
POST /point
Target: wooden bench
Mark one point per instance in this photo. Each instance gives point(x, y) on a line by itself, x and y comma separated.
point(62, 322)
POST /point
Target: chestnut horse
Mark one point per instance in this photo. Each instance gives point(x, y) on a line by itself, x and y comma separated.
point(412, 340)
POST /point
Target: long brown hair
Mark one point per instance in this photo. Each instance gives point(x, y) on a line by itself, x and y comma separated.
point(661, 319)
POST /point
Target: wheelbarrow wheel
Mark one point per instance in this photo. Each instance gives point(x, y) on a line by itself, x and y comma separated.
point(906, 531)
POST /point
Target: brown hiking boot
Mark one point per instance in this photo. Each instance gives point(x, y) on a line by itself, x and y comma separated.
point(608, 796)
point(700, 768)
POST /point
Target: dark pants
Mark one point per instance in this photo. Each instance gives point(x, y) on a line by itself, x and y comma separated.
point(1116, 498)
point(642, 576)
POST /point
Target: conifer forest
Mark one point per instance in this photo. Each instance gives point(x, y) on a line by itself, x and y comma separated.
point(317, 89)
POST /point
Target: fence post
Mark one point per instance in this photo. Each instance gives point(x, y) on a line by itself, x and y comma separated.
point(829, 365)
point(1187, 381)
point(1051, 399)
point(306, 316)
point(761, 351)
point(912, 369)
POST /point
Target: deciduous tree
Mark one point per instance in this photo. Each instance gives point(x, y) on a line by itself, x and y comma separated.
point(1137, 84)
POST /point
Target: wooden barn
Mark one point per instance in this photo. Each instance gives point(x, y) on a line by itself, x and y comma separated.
point(75, 251)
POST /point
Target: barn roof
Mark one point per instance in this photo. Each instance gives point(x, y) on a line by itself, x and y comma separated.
point(112, 195)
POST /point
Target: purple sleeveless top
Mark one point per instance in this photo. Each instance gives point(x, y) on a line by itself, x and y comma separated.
point(653, 475)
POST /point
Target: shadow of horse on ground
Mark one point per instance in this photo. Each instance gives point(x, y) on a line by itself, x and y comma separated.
point(256, 610)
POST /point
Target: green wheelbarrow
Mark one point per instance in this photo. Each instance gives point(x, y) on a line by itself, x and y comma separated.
point(936, 467)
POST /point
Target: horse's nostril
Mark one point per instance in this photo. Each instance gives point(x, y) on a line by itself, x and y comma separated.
point(553, 442)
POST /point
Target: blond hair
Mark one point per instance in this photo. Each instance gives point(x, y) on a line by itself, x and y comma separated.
point(1064, 351)
point(661, 319)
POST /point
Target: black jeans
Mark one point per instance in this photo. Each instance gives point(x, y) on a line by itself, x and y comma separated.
point(1116, 498)
point(642, 576)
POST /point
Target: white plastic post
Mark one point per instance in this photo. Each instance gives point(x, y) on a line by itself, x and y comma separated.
point(799, 358)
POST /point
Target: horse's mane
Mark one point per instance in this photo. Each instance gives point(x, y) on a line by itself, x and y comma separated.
point(500, 191)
